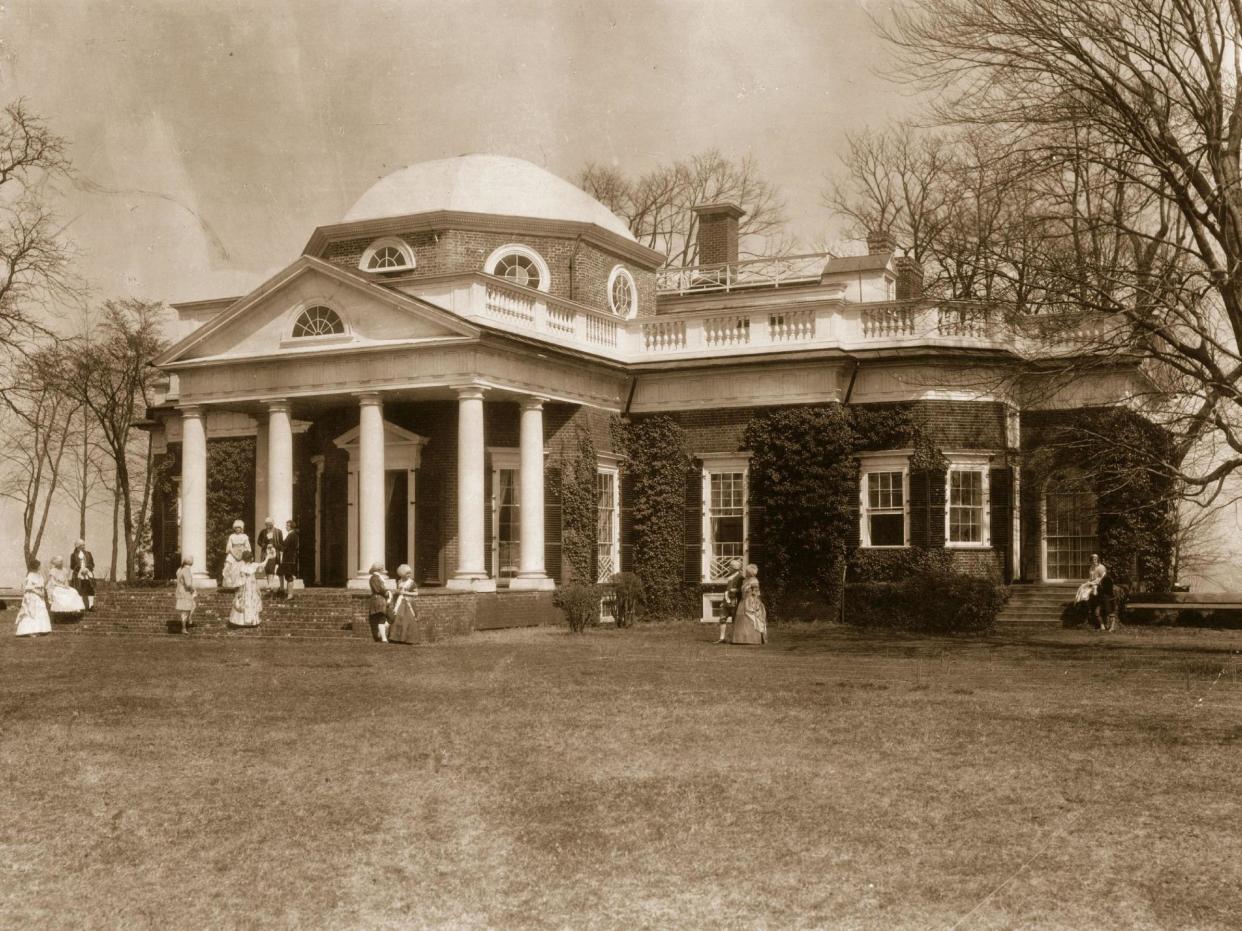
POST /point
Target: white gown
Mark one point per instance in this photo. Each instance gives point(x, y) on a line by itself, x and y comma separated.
point(62, 597)
point(32, 617)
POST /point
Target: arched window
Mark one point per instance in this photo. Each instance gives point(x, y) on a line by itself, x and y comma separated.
point(387, 255)
point(318, 321)
point(622, 293)
point(521, 265)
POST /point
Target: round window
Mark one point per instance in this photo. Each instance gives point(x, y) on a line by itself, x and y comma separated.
point(318, 321)
point(622, 293)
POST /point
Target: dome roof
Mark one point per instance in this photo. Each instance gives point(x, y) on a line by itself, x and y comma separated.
point(483, 184)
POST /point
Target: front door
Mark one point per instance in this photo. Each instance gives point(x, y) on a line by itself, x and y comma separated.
point(397, 509)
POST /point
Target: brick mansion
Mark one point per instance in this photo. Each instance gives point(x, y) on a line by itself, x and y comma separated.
point(402, 389)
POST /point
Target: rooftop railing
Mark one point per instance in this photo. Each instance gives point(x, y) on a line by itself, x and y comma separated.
point(827, 321)
point(771, 272)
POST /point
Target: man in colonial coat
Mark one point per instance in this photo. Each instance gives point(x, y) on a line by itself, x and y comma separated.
point(270, 542)
point(290, 555)
point(82, 573)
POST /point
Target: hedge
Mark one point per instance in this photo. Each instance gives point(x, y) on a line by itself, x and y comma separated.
point(927, 602)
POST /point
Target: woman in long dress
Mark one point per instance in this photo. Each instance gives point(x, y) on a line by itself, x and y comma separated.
point(247, 602)
point(405, 626)
point(32, 617)
point(187, 600)
point(750, 623)
point(238, 545)
point(62, 597)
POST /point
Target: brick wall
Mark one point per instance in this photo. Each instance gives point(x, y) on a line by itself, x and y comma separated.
point(717, 238)
point(579, 270)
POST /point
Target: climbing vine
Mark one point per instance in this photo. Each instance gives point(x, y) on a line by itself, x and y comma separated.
point(230, 493)
point(578, 508)
point(657, 462)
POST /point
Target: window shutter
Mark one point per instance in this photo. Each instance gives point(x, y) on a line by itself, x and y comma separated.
point(936, 479)
point(920, 515)
point(853, 535)
point(756, 515)
point(626, 491)
point(692, 528)
point(552, 525)
point(1000, 491)
point(427, 526)
point(488, 492)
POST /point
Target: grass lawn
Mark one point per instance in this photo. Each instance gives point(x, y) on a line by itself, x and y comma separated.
point(623, 779)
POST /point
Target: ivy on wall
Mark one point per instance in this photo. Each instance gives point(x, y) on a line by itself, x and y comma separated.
point(578, 508)
point(230, 493)
point(804, 475)
point(657, 462)
point(1122, 455)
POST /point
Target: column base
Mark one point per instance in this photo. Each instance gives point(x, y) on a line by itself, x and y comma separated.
point(534, 583)
point(203, 580)
point(471, 583)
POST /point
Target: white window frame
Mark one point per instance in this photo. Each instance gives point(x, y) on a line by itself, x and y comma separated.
point(289, 341)
point(364, 264)
point(613, 472)
point(969, 462)
point(516, 248)
point(719, 464)
point(620, 271)
point(504, 458)
point(887, 461)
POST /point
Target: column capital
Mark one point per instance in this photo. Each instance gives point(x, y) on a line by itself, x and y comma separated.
point(533, 402)
point(369, 398)
point(191, 410)
point(276, 405)
point(469, 392)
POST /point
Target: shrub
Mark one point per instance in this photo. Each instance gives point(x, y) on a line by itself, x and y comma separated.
point(628, 596)
point(580, 604)
point(895, 565)
point(929, 601)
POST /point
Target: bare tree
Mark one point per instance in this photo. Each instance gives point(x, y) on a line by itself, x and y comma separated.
point(40, 421)
point(657, 206)
point(111, 375)
point(1131, 112)
point(33, 258)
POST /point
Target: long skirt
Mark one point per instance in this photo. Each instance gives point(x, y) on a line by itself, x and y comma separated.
point(32, 617)
point(65, 600)
point(84, 586)
point(247, 605)
point(406, 626)
point(750, 622)
point(230, 577)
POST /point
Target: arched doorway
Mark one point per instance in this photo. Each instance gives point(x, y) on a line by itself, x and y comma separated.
point(1069, 527)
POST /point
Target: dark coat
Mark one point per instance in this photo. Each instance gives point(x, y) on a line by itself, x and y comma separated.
point(78, 559)
point(732, 595)
point(379, 595)
point(290, 555)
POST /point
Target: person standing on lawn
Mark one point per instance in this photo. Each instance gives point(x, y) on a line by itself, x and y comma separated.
point(32, 618)
point(404, 627)
point(750, 623)
point(379, 608)
point(82, 567)
point(732, 595)
point(247, 608)
point(290, 556)
point(187, 599)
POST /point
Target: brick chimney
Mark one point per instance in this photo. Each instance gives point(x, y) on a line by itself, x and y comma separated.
point(880, 242)
point(909, 278)
point(717, 238)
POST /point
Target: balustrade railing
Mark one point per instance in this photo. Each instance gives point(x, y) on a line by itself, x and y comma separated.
point(727, 330)
point(972, 321)
point(507, 304)
point(664, 335)
point(888, 322)
point(791, 326)
point(771, 272)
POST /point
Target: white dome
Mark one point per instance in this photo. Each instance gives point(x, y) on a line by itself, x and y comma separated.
point(483, 184)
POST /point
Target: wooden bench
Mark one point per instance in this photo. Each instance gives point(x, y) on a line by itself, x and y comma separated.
point(1185, 601)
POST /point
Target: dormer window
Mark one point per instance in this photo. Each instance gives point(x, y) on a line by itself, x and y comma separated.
point(519, 264)
point(622, 293)
point(387, 255)
point(318, 321)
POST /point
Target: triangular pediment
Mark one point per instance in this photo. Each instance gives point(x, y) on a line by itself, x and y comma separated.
point(263, 322)
point(393, 436)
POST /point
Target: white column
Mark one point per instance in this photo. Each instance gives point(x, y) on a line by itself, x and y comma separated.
point(531, 573)
point(370, 487)
point(318, 461)
point(471, 573)
point(194, 493)
point(279, 464)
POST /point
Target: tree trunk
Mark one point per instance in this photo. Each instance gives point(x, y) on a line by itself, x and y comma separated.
point(116, 510)
point(85, 476)
point(127, 510)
